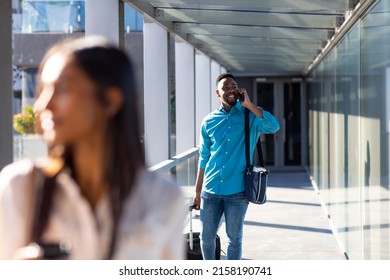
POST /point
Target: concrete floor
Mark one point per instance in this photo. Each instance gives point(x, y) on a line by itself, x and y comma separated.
point(290, 226)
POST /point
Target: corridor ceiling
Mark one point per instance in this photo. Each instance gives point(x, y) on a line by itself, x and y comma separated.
point(252, 37)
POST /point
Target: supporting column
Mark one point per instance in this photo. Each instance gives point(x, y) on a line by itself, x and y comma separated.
point(202, 90)
point(185, 97)
point(304, 121)
point(156, 93)
point(215, 71)
point(105, 18)
point(6, 139)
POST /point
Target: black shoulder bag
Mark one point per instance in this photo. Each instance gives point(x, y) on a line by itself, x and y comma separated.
point(256, 177)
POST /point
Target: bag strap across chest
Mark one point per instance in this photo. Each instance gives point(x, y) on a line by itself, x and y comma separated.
point(247, 143)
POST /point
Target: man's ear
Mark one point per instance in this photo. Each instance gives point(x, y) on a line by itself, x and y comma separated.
point(217, 92)
point(114, 97)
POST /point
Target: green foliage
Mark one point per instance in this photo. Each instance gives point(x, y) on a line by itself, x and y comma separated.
point(25, 122)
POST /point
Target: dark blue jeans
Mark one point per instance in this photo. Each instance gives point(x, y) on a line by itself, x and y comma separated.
point(211, 209)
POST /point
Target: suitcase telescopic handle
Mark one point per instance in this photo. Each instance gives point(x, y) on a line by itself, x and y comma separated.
point(190, 208)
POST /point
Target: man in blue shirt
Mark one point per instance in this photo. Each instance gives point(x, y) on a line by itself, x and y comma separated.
point(220, 181)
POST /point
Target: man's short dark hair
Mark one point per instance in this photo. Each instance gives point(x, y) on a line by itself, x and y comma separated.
point(223, 76)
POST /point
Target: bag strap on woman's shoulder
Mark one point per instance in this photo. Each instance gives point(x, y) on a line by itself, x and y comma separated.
point(43, 188)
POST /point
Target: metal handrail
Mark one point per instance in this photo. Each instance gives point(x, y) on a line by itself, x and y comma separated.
point(172, 162)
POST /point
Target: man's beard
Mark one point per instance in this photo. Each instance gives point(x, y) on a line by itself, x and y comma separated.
point(231, 101)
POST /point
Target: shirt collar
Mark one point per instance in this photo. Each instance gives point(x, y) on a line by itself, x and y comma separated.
point(236, 108)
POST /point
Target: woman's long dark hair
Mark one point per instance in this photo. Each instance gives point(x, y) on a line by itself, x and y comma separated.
point(107, 66)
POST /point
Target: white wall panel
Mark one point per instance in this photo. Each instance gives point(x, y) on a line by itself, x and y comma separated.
point(156, 93)
point(185, 96)
point(102, 18)
point(202, 90)
point(215, 71)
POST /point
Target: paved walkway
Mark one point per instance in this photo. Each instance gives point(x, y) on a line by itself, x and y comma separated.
point(290, 226)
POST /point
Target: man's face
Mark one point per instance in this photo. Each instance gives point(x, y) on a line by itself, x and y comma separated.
point(227, 91)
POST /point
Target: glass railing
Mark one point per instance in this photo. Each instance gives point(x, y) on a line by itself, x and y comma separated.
point(183, 170)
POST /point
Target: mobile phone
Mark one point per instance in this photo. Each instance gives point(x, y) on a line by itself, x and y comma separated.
point(241, 96)
point(51, 251)
point(54, 251)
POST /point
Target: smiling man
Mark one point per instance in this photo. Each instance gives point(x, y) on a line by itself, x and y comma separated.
point(220, 182)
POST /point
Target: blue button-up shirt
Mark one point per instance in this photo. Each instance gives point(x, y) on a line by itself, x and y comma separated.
point(222, 147)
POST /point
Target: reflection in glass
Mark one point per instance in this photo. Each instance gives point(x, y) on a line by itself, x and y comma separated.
point(374, 145)
point(134, 21)
point(349, 113)
point(53, 16)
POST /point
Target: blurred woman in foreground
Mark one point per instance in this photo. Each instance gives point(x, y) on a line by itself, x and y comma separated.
point(92, 195)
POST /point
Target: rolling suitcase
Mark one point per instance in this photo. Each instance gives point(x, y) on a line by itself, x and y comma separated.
point(192, 239)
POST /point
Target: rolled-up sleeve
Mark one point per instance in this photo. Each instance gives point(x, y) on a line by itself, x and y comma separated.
point(268, 124)
point(204, 149)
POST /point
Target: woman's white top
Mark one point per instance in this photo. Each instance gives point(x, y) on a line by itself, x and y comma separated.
point(151, 226)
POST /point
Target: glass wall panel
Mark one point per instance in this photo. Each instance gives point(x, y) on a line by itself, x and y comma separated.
point(172, 94)
point(349, 114)
point(345, 208)
point(328, 73)
point(314, 95)
point(375, 65)
point(134, 21)
point(17, 78)
point(134, 47)
point(53, 16)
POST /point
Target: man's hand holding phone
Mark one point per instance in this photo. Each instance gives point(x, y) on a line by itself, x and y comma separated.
point(243, 96)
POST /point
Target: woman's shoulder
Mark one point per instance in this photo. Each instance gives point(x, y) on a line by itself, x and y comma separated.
point(21, 174)
point(14, 173)
point(15, 182)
